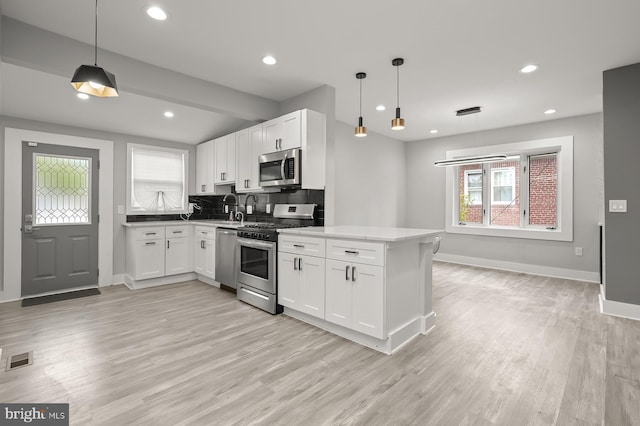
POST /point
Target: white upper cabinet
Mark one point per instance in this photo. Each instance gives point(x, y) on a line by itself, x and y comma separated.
point(283, 133)
point(205, 168)
point(249, 145)
point(225, 158)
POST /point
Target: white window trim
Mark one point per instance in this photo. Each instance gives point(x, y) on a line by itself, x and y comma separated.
point(513, 185)
point(130, 209)
point(564, 232)
point(466, 183)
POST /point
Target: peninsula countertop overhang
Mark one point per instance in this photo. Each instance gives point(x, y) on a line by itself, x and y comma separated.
point(371, 233)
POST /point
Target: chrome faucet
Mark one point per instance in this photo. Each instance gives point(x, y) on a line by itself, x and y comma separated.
point(224, 203)
point(246, 203)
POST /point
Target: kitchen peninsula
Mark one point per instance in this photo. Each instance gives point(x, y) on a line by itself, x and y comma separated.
point(371, 285)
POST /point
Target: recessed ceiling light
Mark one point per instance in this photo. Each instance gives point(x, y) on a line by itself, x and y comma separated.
point(550, 111)
point(83, 96)
point(433, 132)
point(269, 60)
point(381, 108)
point(528, 68)
point(168, 114)
point(157, 13)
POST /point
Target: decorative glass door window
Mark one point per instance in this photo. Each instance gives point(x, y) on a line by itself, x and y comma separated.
point(62, 190)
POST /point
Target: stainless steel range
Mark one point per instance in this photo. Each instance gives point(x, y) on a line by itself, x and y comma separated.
point(257, 255)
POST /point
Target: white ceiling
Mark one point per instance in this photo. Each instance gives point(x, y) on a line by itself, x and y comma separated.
point(458, 53)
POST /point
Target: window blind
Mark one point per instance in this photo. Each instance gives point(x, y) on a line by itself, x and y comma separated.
point(158, 181)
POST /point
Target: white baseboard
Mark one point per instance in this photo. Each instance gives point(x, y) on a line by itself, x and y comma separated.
point(618, 309)
point(207, 280)
point(117, 279)
point(154, 282)
point(546, 271)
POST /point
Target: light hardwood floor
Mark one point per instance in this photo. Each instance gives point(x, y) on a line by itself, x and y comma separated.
point(508, 349)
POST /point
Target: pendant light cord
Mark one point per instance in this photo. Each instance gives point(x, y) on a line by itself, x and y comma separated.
point(95, 51)
point(360, 97)
point(397, 86)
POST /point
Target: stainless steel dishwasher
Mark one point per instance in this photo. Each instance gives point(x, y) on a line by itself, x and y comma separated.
point(226, 256)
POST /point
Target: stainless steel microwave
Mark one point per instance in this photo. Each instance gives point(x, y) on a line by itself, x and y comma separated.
point(281, 168)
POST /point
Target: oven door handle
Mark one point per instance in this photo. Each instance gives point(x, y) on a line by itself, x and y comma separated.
point(252, 243)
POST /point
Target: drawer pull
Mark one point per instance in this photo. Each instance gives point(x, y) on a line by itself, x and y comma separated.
point(352, 252)
point(177, 232)
point(150, 233)
point(150, 244)
point(298, 245)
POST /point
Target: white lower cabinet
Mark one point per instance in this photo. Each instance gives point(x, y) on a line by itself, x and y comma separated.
point(301, 284)
point(355, 296)
point(147, 259)
point(156, 252)
point(178, 256)
point(204, 252)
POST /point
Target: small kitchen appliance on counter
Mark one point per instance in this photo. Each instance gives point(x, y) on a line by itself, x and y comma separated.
point(257, 255)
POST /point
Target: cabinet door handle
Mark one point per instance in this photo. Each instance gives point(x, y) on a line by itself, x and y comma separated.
point(276, 144)
point(295, 260)
point(201, 244)
point(168, 243)
point(353, 273)
point(298, 245)
point(299, 264)
point(352, 252)
point(150, 244)
point(346, 271)
point(203, 188)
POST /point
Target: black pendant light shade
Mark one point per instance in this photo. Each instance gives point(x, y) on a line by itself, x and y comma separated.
point(398, 122)
point(361, 131)
point(93, 80)
point(96, 81)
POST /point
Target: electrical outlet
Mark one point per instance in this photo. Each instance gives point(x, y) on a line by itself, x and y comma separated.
point(249, 209)
point(120, 209)
point(226, 209)
point(617, 206)
point(268, 210)
point(578, 251)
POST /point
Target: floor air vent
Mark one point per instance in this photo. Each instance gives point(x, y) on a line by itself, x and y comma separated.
point(19, 360)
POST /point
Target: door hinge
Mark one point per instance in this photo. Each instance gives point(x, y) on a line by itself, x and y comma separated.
point(98, 272)
point(98, 218)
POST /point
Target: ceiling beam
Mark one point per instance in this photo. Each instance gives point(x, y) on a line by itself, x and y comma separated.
point(32, 47)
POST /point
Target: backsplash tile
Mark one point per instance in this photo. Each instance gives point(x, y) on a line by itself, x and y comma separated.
point(212, 206)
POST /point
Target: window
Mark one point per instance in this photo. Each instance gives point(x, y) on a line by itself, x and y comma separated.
point(521, 196)
point(157, 180)
point(503, 185)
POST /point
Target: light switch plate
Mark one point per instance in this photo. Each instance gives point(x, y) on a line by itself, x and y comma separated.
point(120, 209)
point(617, 206)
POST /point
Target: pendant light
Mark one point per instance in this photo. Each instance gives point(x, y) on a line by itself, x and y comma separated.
point(398, 122)
point(361, 131)
point(93, 80)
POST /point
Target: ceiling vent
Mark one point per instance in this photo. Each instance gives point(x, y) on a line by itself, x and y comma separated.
point(467, 111)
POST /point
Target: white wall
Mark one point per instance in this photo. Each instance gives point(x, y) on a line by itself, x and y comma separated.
point(426, 197)
point(369, 179)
